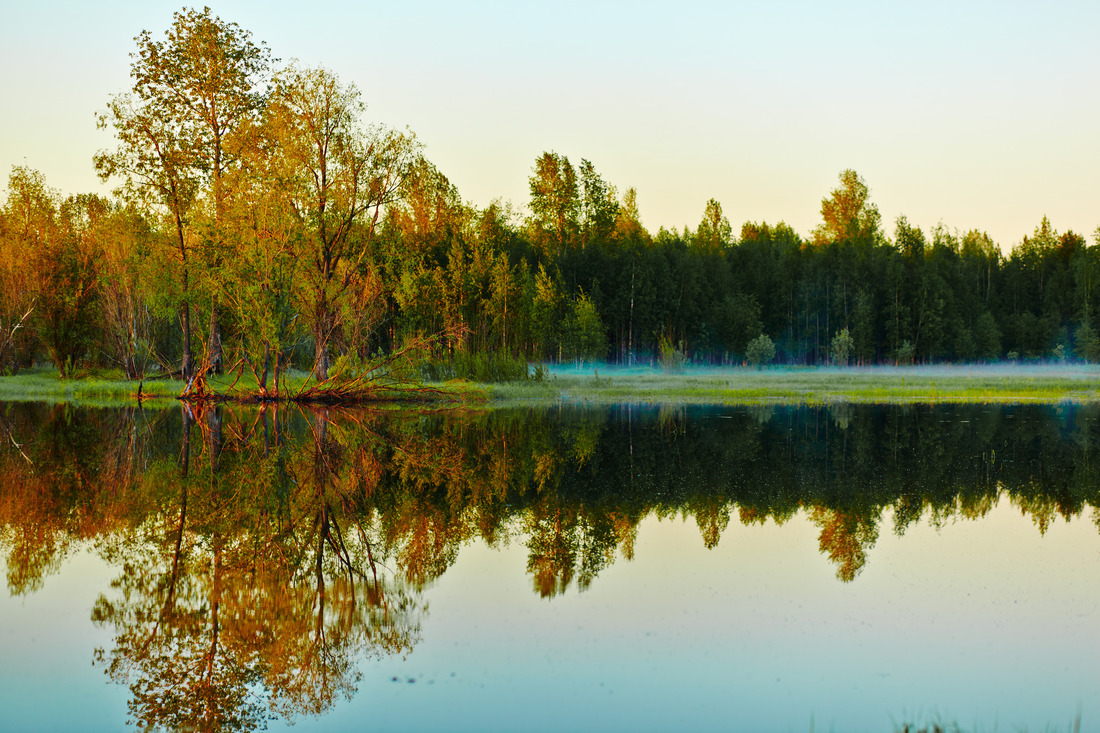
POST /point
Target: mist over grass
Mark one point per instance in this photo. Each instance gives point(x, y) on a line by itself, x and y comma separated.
point(1001, 383)
point(1005, 382)
point(1002, 369)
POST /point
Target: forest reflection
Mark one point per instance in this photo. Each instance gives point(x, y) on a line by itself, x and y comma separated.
point(261, 555)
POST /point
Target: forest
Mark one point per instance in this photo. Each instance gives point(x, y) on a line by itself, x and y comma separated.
point(258, 220)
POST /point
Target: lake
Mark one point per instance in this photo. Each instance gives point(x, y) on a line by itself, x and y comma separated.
point(624, 568)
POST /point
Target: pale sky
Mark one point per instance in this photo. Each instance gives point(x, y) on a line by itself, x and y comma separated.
point(975, 114)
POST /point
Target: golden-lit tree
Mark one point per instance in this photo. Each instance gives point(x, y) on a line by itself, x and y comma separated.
point(338, 175)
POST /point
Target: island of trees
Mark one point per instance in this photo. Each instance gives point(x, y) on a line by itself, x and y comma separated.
point(257, 221)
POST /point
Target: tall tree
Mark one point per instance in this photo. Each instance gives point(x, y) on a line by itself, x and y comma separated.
point(847, 214)
point(714, 233)
point(192, 92)
point(555, 204)
point(153, 159)
point(26, 218)
point(339, 176)
point(599, 207)
point(207, 79)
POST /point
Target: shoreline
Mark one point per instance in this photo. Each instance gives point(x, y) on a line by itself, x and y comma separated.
point(972, 384)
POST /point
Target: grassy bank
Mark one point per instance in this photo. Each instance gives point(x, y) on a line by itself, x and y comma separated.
point(101, 387)
point(808, 386)
point(107, 388)
point(885, 385)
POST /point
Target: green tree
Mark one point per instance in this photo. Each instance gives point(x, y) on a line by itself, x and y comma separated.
point(760, 351)
point(192, 93)
point(987, 337)
point(847, 214)
point(27, 218)
point(588, 341)
point(124, 238)
point(548, 313)
point(555, 204)
point(599, 210)
point(59, 239)
point(259, 284)
point(338, 176)
point(714, 233)
point(154, 163)
point(206, 79)
point(737, 317)
point(863, 328)
point(1087, 342)
point(841, 347)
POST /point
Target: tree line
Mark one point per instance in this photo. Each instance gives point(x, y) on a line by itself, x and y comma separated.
point(258, 220)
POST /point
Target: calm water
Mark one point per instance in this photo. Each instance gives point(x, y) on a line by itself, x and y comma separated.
point(585, 569)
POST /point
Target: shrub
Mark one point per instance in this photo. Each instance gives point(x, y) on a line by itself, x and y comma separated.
point(842, 347)
point(905, 353)
point(760, 350)
point(671, 358)
point(1088, 342)
point(480, 366)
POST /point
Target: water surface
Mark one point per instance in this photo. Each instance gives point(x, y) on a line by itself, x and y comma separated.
point(622, 568)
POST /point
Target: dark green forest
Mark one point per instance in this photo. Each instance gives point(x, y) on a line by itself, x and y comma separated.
point(257, 219)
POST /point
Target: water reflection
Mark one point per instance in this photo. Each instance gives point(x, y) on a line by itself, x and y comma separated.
point(261, 555)
point(249, 586)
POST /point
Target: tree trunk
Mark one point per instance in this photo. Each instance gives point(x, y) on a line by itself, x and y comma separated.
point(263, 375)
point(214, 344)
point(320, 354)
point(185, 322)
point(275, 374)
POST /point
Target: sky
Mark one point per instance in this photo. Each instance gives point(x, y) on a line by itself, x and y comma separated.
point(976, 115)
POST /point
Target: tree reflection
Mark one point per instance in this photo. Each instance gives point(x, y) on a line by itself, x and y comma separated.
point(566, 542)
point(263, 554)
point(253, 590)
point(63, 479)
point(845, 538)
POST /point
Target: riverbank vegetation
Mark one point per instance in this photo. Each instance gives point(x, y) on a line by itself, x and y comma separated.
point(259, 221)
point(968, 384)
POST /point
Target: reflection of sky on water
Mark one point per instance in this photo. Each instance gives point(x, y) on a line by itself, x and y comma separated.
point(982, 622)
point(985, 623)
point(47, 681)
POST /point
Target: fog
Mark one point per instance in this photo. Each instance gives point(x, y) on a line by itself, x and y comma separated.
point(1004, 369)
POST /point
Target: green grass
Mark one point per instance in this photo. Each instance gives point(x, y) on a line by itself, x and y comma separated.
point(738, 386)
point(99, 387)
point(809, 386)
point(111, 388)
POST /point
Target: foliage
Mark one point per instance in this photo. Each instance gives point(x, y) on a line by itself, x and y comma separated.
point(842, 347)
point(905, 352)
point(555, 204)
point(714, 232)
point(258, 195)
point(847, 214)
point(760, 351)
point(1087, 343)
point(337, 176)
point(477, 366)
point(671, 358)
point(586, 332)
